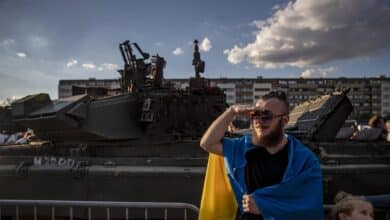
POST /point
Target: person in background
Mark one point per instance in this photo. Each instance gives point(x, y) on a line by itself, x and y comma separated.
point(273, 175)
point(14, 137)
point(349, 207)
point(387, 127)
point(3, 137)
point(26, 137)
point(373, 132)
point(376, 121)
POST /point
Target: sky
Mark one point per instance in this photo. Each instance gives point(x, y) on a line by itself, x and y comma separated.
point(43, 41)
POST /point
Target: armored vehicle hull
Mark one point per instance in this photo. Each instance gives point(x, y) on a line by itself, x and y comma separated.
point(170, 172)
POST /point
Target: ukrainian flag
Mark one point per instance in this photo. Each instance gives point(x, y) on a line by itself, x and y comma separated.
point(218, 202)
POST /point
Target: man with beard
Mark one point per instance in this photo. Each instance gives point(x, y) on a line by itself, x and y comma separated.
point(273, 175)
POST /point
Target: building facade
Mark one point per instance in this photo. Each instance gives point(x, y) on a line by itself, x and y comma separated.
point(385, 97)
point(368, 95)
point(65, 86)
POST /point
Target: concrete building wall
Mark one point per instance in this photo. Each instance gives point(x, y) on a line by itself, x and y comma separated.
point(230, 91)
point(385, 98)
point(65, 86)
point(260, 89)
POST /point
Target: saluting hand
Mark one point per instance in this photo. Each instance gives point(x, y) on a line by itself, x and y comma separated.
point(249, 205)
point(242, 109)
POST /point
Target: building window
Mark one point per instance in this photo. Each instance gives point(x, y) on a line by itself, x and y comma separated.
point(261, 89)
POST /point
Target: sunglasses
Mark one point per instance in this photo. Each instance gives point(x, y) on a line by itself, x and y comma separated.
point(264, 116)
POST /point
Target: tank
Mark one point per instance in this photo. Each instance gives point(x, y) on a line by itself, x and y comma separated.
point(130, 146)
point(141, 142)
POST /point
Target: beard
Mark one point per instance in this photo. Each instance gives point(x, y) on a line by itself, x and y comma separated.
point(272, 139)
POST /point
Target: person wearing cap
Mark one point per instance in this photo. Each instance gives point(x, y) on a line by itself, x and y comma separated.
point(272, 174)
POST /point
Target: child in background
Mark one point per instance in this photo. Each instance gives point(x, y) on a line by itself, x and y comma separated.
point(387, 127)
point(349, 207)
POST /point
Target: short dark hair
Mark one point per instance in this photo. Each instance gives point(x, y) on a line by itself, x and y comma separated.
point(279, 95)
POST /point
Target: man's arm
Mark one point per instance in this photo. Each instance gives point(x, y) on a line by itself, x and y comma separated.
point(211, 140)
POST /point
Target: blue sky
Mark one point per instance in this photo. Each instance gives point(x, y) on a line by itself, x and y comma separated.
point(43, 41)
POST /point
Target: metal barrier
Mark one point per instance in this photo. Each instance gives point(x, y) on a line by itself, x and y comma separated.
point(108, 205)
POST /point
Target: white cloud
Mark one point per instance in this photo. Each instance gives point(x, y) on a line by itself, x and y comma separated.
point(159, 44)
point(38, 41)
point(21, 55)
point(88, 66)
point(258, 23)
point(7, 42)
point(110, 66)
point(311, 32)
point(235, 55)
point(276, 7)
point(205, 45)
point(317, 72)
point(178, 51)
point(107, 67)
point(71, 63)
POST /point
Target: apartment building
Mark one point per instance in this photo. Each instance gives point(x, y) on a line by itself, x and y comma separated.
point(385, 98)
point(260, 89)
point(66, 87)
point(229, 89)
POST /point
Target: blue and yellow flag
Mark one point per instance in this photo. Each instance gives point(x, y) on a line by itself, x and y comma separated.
point(218, 202)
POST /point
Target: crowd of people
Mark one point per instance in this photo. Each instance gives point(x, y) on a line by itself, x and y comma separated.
point(17, 137)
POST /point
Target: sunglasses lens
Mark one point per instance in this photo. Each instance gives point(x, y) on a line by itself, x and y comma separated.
point(266, 118)
point(262, 118)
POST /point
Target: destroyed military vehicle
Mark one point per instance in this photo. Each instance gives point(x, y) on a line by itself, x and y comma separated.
point(131, 146)
point(360, 167)
point(142, 144)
